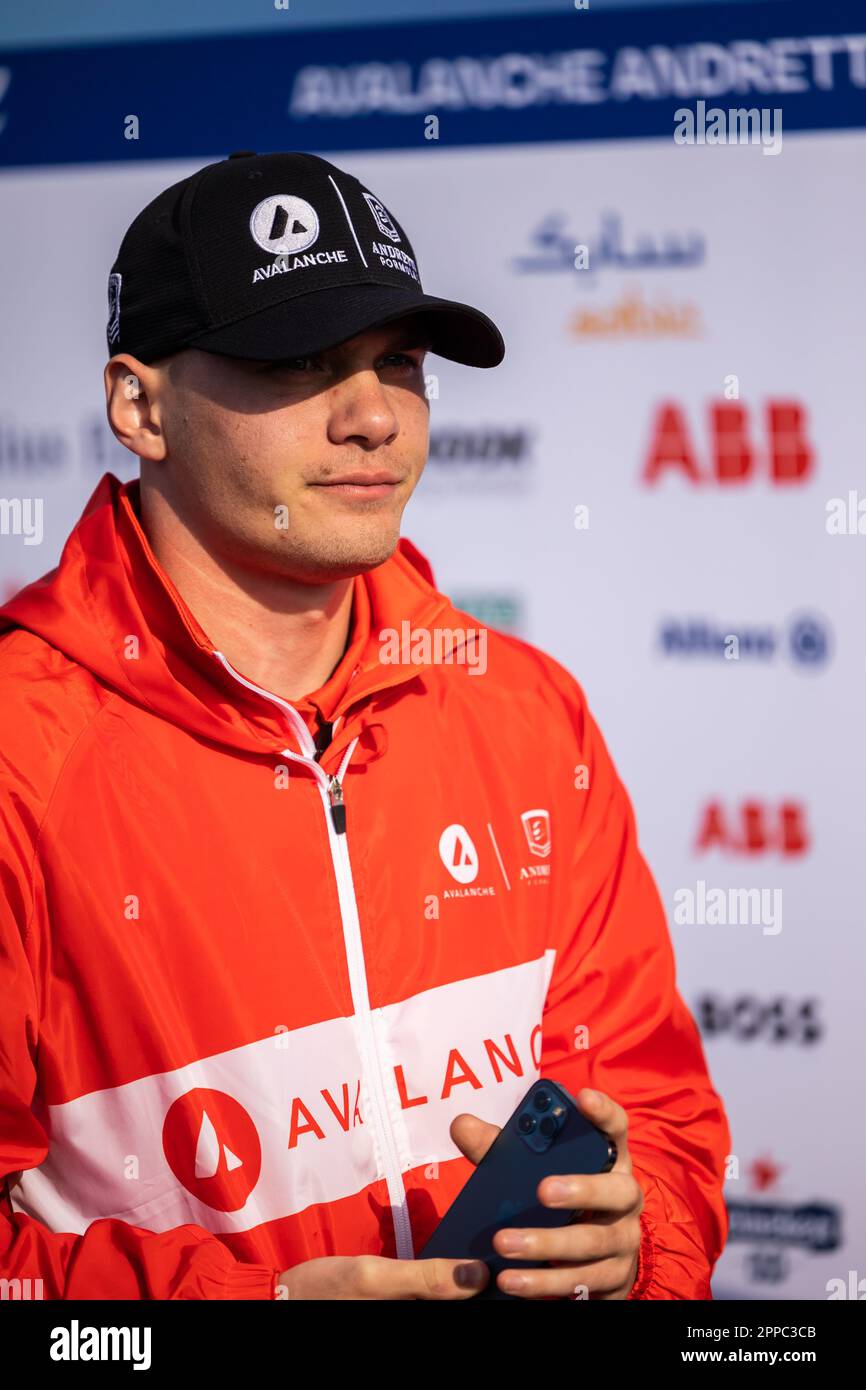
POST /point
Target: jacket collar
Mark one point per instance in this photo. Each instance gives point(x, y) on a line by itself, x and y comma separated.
point(111, 607)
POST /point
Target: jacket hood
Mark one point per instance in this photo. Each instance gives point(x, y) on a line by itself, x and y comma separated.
point(110, 607)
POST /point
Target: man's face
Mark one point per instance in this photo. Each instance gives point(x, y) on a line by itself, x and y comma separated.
point(300, 468)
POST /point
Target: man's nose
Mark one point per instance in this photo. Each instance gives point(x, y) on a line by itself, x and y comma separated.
point(360, 408)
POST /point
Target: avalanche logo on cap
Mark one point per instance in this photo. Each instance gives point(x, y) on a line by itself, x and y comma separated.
point(284, 224)
point(383, 217)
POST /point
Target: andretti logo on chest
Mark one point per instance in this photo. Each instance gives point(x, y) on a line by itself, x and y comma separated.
point(536, 828)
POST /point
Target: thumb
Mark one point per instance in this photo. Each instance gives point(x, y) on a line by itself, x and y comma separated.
point(473, 1136)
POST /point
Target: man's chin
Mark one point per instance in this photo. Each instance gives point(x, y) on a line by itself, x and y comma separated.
point(343, 562)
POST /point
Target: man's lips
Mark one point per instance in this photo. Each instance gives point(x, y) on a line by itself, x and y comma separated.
point(365, 485)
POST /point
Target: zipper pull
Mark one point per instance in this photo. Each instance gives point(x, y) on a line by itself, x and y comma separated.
point(338, 810)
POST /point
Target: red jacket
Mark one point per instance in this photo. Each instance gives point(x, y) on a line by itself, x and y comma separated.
point(239, 1013)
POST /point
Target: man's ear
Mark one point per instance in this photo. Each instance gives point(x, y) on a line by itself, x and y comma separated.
point(133, 394)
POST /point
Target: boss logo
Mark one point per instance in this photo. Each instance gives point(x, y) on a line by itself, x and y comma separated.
point(748, 1018)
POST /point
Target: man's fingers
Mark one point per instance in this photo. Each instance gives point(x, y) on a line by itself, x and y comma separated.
point(472, 1136)
point(575, 1244)
point(427, 1279)
point(611, 1119)
point(602, 1280)
point(381, 1277)
point(616, 1192)
point(449, 1278)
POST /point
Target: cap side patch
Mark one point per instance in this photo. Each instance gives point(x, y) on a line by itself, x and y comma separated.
point(113, 329)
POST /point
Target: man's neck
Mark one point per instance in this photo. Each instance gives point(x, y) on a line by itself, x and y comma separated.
point(284, 636)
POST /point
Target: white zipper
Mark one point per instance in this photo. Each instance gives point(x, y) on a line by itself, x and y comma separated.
point(354, 955)
point(361, 1004)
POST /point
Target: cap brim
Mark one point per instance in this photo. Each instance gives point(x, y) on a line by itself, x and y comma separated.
point(321, 319)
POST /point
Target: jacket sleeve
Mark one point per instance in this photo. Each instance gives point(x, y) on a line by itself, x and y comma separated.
point(112, 1259)
point(614, 1020)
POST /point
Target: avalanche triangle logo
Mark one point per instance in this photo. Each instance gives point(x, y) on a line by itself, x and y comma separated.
point(207, 1151)
point(458, 853)
point(284, 224)
point(213, 1148)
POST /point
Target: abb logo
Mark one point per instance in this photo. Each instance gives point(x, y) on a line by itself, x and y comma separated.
point(754, 828)
point(734, 456)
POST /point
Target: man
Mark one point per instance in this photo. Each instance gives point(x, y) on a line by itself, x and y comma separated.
point(304, 877)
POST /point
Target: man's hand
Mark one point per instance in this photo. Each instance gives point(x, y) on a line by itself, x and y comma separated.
point(595, 1257)
point(378, 1277)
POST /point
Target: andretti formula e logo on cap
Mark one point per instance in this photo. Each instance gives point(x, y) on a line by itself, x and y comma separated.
point(458, 853)
point(283, 224)
point(383, 218)
point(212, 1148)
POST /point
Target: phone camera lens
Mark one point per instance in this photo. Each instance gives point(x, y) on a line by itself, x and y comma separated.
point(547, 1125)
point(526, 1123)
point(542, 1100)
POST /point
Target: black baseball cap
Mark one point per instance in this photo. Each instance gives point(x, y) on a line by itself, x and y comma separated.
point(274, 256)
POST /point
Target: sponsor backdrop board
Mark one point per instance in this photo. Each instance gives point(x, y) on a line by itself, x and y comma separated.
point(662, 485)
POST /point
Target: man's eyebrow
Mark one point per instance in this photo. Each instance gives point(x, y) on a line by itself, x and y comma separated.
point(407, 337)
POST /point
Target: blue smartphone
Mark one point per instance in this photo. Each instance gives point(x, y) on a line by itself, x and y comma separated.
point(546, 1134)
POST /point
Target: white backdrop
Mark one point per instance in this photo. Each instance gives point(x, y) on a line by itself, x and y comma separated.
point(773, 296)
